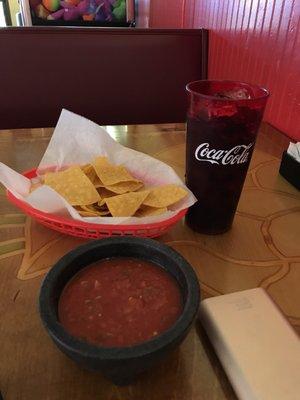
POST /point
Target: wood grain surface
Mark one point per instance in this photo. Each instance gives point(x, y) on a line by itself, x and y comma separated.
point(262, 249)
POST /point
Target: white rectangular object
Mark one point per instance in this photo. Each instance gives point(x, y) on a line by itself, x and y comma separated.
point(256, 345)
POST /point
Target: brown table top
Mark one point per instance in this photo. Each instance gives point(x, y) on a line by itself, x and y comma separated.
point(262, 249)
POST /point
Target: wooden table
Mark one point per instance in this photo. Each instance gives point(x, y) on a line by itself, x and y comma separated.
point(262, 249)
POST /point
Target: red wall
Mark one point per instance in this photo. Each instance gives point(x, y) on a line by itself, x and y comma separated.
point(167, 13)
point(251, 40)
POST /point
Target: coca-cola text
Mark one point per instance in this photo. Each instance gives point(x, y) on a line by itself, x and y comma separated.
point(236, 155)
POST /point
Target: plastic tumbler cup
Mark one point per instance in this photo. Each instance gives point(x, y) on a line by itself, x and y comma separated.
point(222, 125)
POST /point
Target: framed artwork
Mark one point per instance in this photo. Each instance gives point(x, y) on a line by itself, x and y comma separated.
point(108, 13)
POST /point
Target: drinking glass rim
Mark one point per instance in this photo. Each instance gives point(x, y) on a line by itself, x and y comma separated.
point(265, 91)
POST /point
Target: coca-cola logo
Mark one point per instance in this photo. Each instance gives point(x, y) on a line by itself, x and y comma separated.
point(236, 155)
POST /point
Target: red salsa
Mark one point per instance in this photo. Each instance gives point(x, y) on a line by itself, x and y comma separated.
point(120, 302)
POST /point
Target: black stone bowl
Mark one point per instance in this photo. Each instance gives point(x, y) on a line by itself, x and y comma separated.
point(119, 364)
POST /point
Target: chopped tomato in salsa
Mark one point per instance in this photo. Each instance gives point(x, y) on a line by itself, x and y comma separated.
point(120, 302)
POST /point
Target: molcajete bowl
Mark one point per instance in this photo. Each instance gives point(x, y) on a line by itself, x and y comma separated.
point(119, 364)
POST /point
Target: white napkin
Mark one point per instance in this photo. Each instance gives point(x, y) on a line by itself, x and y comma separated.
point(76, 140)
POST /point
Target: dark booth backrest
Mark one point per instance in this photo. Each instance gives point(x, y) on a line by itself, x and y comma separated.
point(112, 76)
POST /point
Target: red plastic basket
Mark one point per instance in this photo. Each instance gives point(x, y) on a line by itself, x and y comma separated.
point(92, 231)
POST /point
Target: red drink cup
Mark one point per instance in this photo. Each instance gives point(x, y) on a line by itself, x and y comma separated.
point(222, 125)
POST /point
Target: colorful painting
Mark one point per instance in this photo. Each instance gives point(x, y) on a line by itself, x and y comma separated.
point(80, 11)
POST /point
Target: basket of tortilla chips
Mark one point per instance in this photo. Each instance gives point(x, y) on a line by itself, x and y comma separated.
point(103, 189)
point(96, 187)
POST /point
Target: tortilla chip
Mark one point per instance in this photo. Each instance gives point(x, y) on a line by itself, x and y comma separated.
point(110, 174)
point(102, 162)
point(124, 187)
point(73, 185)
point(90, 214)
point(92, 211)
point(85, 213)
point(164, 196)
point(104, 193)
point(125, 205)
point(90, 172)
point(90, 208)
point(87, 168)
point(146, 211)
point(104, 213)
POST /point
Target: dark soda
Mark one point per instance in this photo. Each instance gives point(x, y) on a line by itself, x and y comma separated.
point(220, 140)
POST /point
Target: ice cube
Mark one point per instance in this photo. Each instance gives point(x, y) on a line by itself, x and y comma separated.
point(235, 94)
